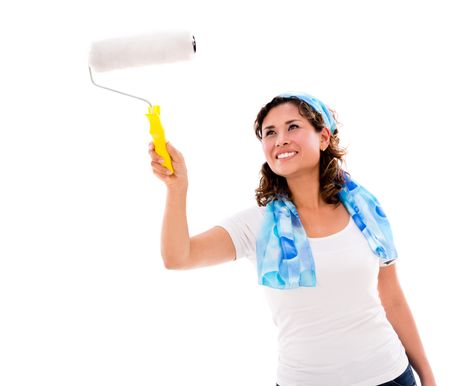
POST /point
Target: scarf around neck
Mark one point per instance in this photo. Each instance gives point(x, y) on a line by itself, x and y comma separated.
point(284, 256)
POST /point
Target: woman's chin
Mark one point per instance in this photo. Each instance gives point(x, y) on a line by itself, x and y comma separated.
point(283, 172)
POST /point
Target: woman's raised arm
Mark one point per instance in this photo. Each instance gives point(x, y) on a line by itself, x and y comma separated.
point(178, 249)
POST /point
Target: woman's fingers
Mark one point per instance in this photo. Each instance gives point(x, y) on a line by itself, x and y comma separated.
point(179, 175)
point(175, 155)
point(154, 155)
point(158, 168)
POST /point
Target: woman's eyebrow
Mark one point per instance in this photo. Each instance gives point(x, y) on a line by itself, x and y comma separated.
point(286, 123)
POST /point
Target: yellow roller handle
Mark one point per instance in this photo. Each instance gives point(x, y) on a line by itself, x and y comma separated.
point(159, 139)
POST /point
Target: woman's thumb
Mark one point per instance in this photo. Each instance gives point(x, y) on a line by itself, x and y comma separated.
point(172, 151)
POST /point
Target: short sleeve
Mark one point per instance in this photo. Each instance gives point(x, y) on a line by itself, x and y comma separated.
point(386, 263)
point(242, 228)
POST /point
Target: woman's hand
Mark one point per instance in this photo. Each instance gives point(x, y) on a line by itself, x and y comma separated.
point(176, 179)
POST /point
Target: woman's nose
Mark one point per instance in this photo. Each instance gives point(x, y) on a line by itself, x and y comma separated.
point(282, 139)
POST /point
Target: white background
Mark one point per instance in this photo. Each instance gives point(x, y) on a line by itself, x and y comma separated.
point(84, 296)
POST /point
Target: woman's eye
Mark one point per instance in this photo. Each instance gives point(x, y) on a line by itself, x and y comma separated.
point(269, 132)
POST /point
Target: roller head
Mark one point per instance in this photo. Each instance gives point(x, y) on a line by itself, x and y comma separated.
point(141, 50)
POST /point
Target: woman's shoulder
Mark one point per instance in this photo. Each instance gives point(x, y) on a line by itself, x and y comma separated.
point(251, 212)
point(249, 217)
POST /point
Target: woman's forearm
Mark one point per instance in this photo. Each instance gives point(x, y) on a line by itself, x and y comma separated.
point(401, 318)
point(175, 233)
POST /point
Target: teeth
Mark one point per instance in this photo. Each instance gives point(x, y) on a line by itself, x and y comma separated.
point(286, 155)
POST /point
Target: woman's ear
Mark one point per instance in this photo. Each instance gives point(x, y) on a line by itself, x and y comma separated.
point(325, 138)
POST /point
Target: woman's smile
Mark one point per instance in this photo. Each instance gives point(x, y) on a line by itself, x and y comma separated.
point(286, 156)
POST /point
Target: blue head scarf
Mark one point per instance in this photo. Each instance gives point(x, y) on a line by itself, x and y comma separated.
point(317, 105)
point(284, 256)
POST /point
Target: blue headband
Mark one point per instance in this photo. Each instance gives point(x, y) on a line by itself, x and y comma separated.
point(317, 105)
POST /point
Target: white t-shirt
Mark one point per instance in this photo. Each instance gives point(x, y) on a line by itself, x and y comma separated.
point(337, 333)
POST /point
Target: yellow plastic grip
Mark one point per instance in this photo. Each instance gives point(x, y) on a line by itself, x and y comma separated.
point(157, 132)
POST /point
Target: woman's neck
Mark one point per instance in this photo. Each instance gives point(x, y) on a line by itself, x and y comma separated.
point(305, 192)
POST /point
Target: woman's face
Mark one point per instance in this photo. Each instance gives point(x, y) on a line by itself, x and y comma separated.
point(285, 132)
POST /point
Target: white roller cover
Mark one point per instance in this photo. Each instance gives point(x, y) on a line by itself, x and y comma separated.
point(140, 50)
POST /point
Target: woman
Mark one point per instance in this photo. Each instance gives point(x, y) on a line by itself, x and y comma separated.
point(323, 249)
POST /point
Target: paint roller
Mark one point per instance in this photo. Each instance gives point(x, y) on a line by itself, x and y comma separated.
point(158, 47)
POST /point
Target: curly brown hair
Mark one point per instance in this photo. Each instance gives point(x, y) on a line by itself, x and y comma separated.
point(331, 172)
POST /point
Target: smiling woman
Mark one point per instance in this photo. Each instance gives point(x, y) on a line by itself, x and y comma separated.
point(301, 122)
point(319, 242)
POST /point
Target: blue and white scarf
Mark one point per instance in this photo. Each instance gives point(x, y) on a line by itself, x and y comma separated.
point(284, 256)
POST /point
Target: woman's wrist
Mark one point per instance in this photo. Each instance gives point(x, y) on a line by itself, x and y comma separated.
point(427, 378)
point(177, 188)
